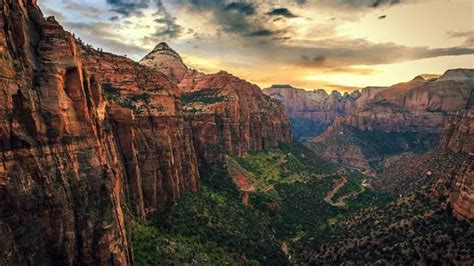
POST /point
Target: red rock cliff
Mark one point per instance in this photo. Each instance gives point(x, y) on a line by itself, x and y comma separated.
point(458, 184)
point(60, 177)
point(154, 141)
point(227, 115)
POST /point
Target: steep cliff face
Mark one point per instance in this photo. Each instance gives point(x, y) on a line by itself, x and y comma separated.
point(311, 112)
point(60, 177)
point(227, 115)
point(415, 106)
point(405, 117)
point(154, 141)
point(458, 183)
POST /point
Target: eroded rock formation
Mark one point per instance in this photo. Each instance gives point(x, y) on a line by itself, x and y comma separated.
point(60, 177)
point(227, 115)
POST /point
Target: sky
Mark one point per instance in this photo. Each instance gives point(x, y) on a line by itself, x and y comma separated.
point(312, 44)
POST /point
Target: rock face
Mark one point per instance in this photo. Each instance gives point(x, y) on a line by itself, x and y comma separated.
point(458, 183)
point(311, 112)
point(153, 139)
point(167, 61)
point(227, 115)
point(412, 113)
point(315, 105)
point(60, 176)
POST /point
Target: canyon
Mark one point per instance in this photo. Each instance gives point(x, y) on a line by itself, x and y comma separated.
point(398, 133)
point(102, 155)
point(90, 137)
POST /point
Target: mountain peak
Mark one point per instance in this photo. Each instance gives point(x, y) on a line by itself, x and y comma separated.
point(162, 46)
point(167, 61)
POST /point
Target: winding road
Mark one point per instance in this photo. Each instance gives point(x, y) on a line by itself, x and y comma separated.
point(341, 201)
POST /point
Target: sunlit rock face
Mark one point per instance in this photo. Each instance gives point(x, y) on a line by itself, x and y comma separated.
point(226, 115)
point(167, 61)
point(87, 136)
point(60, 173)
point(147, 122)
point(416, 110)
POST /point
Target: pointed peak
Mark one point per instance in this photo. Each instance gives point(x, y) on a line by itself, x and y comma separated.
point(163, 46)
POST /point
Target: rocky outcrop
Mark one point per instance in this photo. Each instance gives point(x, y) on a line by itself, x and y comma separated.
point(167, 61)
point(60, 175)
point(226, 115)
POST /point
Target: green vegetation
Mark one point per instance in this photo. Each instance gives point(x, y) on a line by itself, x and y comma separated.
point(291, 186)
point(209, 227)
point(287, 215)
point(415, 228)
point(135, 102)
point(204, 96)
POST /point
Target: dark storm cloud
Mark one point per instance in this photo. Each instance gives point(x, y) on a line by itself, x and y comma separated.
point(167, 27)
point(261, 33)
point(127, 7)
point(244, 8)
point(237, 17)
point(284, 12)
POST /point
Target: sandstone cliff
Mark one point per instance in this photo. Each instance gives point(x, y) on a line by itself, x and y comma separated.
point(153, 140)
point(60, 175)
point(458, 183)
point(311, 112)
point(405, 117)
point(227, 115)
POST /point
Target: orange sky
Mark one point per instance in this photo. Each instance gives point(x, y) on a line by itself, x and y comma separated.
point(309, 44)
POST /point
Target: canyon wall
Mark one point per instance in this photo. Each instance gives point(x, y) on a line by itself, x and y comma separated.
point(227, 115)
point(154, 142)
point(402, 118)
point(60, 175)
point(311, 112)
point(458, 183)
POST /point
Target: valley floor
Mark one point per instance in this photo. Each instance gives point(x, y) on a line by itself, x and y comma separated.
point(288, 206)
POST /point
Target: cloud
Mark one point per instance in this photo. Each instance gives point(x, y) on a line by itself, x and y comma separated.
point(244, 8)
point(236, 18)
point(108, 40)
point(337, 53)
point(167, 27)
point(284, 12)
point(354, 3)
point(127, 7)
point(468, 37)
point(261, 33)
